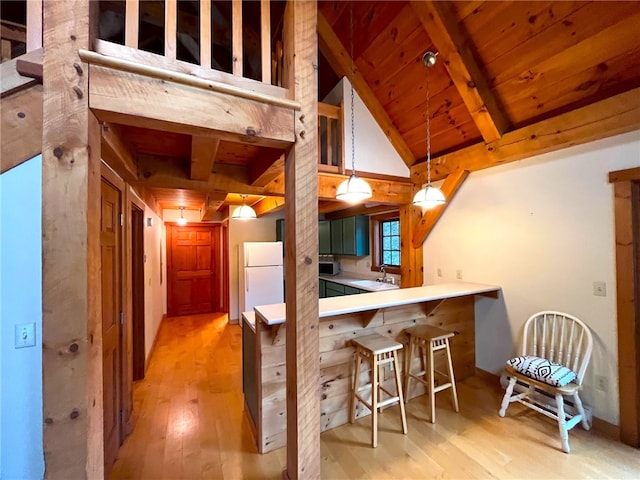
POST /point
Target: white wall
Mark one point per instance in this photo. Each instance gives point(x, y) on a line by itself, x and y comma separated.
point(543, 229)
point(172, 215)
point(261, 229)
point(21, 453)
point(374, 153)
point(155, 278)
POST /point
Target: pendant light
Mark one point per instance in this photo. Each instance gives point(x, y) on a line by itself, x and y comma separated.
point(181, 221)
point(429, 196)
point(244, 211)
point(354, 189)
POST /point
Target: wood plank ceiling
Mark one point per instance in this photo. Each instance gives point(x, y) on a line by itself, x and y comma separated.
point(525, 62)
point(502, 67)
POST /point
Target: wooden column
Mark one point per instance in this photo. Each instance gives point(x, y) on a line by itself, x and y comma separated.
point(71, 337)
point(411, 270)
point(627, 229)
point(301, 259)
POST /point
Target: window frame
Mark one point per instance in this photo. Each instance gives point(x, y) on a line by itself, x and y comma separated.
point(376, 244)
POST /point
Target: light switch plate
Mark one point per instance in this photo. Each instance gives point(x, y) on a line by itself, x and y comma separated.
point(25, 335)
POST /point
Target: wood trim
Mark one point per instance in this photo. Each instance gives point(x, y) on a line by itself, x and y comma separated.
point(375, 241)
point(341, 63)
point(440, 23)
point(131, 23)
point(268, 205)
point(627, 231)
point(613, 116)
point(266, 169)
point(205, 33)
point(73, 441)
point(30, 64)
point(183, 78)
point(301, 234)
point(630, 174)
point(429, 219)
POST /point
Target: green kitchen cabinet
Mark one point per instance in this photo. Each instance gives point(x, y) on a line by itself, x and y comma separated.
point(322, 286)
point(324, 237)
point(334, 289)
point(351, 290)
point(350, 236)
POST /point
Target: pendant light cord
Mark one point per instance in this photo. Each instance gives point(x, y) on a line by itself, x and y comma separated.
point(353, 124)
point(428, 135)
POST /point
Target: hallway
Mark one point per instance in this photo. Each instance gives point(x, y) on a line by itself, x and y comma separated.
point(189, 424)
point(188, 411)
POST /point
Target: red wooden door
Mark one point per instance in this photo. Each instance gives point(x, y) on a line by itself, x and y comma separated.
point(111, 330)
point(193, 269)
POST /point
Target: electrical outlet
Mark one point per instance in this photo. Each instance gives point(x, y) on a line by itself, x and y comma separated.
point(600, 289)
point(25, 335)
point(459, 274)
point(602, 383)
point(440, 272)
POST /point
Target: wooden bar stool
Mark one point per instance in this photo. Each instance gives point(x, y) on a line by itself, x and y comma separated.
point(429, 340)
point(378, 350)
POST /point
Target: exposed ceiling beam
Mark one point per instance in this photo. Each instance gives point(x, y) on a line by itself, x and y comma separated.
point(267, 168)
point(210, 208)
point(429, 219)
point(165, 172)
point(138, 100)
point(117, 153)
point(438, 20)
point(203, 154)
point(361, 209)
point(21, 127)
point(613, 116)
point(341, 62)
point(268, 205)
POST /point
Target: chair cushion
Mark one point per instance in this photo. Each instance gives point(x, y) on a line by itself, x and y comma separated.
point(542, 370)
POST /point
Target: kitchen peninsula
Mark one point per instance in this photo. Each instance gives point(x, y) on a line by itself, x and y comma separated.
point(389, 312)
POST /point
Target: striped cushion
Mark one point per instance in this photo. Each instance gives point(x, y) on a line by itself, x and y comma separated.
point(542, 370)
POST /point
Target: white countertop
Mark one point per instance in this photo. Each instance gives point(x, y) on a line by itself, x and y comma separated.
point(250, 319)
point(276, 314)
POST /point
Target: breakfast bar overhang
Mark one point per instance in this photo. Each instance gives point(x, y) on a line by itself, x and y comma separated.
point(449, 306)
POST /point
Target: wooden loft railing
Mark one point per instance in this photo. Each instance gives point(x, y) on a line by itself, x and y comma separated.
point(232, 42)
point(17, 39)
point(330, 138)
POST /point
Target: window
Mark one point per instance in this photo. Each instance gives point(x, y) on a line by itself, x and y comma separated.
point(390, 242)
point(385, 241)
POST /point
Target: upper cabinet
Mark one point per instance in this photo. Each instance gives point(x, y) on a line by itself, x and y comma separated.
point(324, 237)
point(344, 236)
point(350, 236)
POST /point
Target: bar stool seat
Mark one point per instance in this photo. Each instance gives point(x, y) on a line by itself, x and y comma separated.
point(378, 350)
point(430, 339)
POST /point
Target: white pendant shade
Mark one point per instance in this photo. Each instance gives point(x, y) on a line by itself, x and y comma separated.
point(181, 222)
point(429, 197)
point(243, 212)
point(353, 190)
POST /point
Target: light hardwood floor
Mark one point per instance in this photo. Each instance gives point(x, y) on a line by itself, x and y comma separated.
point(189, 423)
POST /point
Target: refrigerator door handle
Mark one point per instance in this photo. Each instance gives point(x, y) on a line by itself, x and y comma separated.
point(246, 280)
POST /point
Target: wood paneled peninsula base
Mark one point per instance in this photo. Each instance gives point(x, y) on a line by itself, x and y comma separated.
point(449, 306)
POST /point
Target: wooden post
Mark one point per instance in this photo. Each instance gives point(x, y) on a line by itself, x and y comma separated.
point(71, 287)
point(34, 25)
point(411, 259)
point(301, 220)
point(236, 37)
point(205, 33)
point(131, 23)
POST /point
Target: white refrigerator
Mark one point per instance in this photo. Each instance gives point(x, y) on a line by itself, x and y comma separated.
point(260, 273)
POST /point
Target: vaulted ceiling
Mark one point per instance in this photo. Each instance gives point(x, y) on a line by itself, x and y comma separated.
point(505, 72)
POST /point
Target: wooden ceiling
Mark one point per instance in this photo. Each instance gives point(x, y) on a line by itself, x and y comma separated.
point(502, 66)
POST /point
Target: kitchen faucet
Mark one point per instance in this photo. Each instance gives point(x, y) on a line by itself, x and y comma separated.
point(383, 271)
